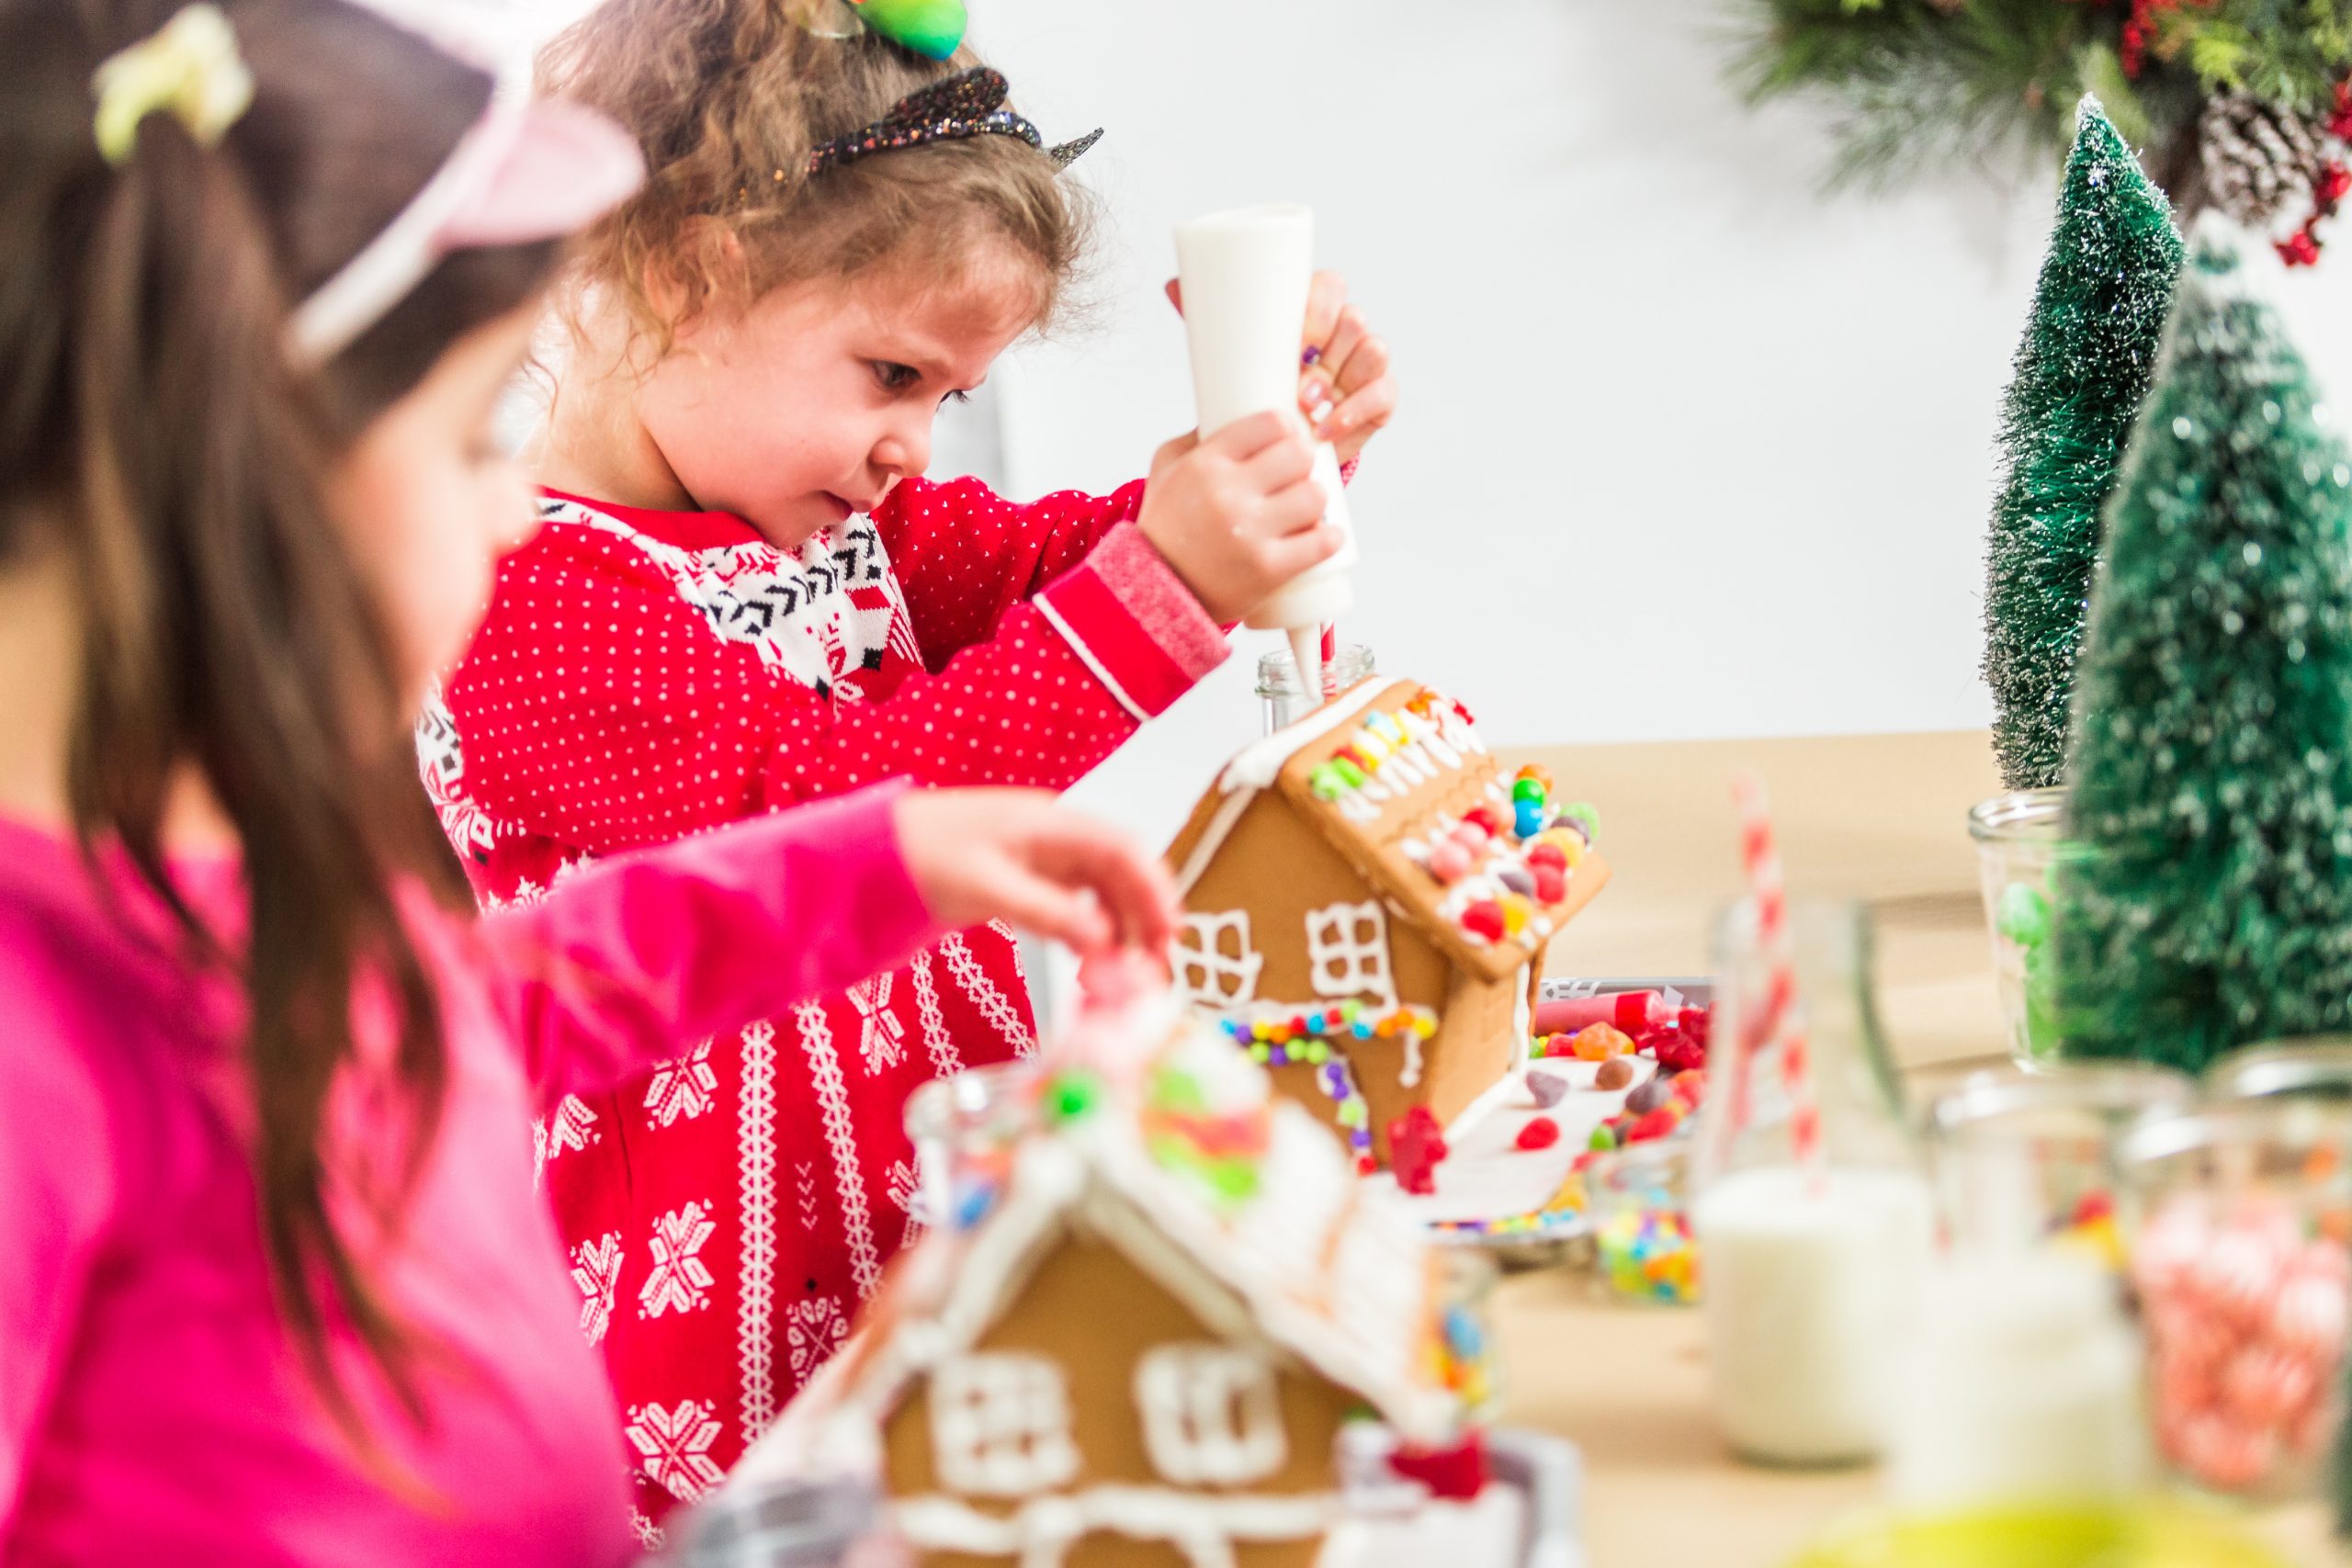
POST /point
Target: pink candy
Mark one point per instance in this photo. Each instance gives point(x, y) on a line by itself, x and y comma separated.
point(1449, 861)
point(2247, 1324)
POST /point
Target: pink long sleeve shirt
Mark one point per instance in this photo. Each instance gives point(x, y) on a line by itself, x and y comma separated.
point(151, 1410)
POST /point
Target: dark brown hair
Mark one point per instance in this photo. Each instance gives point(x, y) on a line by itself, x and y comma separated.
point(154, 437)
point(727, 97)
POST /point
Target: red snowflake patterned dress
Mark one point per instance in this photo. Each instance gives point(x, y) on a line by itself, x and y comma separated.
point(642, 675)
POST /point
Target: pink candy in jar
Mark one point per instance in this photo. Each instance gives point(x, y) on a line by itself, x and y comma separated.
point(2246, 1316)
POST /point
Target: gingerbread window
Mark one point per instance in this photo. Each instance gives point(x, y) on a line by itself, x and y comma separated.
point(1347, 952)
point(1216, 967)
point(1000, 1425)
point(1210, 1414)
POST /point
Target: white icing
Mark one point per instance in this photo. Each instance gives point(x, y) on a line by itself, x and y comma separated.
point(1347, 953)
point(1411, 1076)
point(1001, 1424)
point(1210, 1414)
point(1522, 1013)
point(1262, 762)
point(1203, 1527)
point(1205, 975)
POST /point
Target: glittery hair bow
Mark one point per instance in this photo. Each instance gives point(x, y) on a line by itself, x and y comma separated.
point(189, 69)
point(957, 108)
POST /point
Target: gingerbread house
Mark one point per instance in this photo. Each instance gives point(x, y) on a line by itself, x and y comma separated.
point(1153, 1345)
point(1368, 902)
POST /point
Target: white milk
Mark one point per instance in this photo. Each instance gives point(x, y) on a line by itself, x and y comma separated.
point(1813, 1286)
point(1246, 276)
point(2024, 1386)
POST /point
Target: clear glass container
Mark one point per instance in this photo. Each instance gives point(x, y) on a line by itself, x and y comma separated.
point(1284, 701)
point(1816, 1267)
point(2315, 1068)
point(964, 1128)
point(2025, 1161)
point(2019, 839)
point(1639, 1200)
point(2237, 1220)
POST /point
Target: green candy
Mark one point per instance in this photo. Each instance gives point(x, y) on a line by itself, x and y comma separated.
point(1602, 1141)
point(1528, 789)
point(1071, 1096)
point(1349, 774)
point(930, 28)
point(1585, 812)
point(1325, 782)
point(2023, 916)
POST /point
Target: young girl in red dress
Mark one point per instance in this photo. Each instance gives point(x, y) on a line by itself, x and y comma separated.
point(746, 596)
point(278, 1291)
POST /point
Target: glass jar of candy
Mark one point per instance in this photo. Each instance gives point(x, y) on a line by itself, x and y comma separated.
point(2238, 1220)
point(1285, 702)
point(2019, 839)
point(2027, 1160)
point(2317, 1069)
point(1810, 1206)
point(1638, 1203)
point(964, 1128)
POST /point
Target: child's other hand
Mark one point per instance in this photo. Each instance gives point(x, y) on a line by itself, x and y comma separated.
point(1348, 392)
point(1238, 515)
point(1019, 855)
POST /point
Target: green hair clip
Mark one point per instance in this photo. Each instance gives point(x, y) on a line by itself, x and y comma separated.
point(931, 28)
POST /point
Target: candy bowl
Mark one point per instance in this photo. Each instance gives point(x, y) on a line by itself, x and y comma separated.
point(1639, 1199)
point(2019, 840)
point(2238, 1220)
point(2318, 1069)
point(2022, 1160)
point(964, 1128)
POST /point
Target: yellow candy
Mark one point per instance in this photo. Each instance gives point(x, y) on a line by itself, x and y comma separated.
point(1372, 748)
point(1568, 841)
point(1424, 1025)
point(1517, 912)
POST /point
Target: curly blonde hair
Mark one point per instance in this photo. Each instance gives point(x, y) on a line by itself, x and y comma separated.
point(728, 97)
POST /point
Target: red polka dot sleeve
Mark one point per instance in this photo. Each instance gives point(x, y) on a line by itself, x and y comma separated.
point(638, 680)
point(965, 555)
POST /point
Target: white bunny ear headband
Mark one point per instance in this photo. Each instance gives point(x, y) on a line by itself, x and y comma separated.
point(528, 169)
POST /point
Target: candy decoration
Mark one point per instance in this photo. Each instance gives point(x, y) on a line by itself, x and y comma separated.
point(1614, 1074)
point(1449, 861)
point(931, 28)
point(1599, 1042)
point(1546, 852)
point(1540, 1133)
point(1525, 788)
point(1549, 1088)
point(1528, 818)
point(2244, 1317)
point(1550, 886)
point(1649, 1254)
point(1416, 1145)
point(1483, 817)
point(1485, 919)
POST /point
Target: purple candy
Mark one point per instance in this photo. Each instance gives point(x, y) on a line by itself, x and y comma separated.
point(1648, 1096)
point(1548, 1089)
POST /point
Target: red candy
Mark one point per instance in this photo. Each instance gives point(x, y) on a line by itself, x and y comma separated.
point(1540, 1133)
point(1548, 854)
point(1551, 885)
point(1483, 817)
point(1484, 918)
point(1416, 1144)
point(1655, 1126)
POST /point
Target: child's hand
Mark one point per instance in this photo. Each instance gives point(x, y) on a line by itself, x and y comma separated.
point(1238, 515)
point(1018, 855)
point(1348, 393)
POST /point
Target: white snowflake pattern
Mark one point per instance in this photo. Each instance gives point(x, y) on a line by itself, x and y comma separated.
point(596, 1269)
point(904, 1184)
point(573, 1126)
point(812, 1330)
point(683, 1087)
point(881, 1034)
point(675, 1442)
point(679, 1277)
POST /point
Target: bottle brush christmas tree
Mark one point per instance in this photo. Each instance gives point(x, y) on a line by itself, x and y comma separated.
point(2211, 904)
point(2089, 349)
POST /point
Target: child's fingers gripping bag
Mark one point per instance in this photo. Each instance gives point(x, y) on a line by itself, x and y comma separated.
point(745, 596)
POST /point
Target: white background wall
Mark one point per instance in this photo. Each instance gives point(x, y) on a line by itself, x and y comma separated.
point(1687, 449)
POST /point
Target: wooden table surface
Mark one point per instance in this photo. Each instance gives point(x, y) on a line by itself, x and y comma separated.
point(1881, 818)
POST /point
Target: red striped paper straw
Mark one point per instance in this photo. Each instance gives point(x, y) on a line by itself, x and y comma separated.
point(1773, 1017)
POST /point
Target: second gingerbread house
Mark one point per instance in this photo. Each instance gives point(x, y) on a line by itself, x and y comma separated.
point(1368, 903)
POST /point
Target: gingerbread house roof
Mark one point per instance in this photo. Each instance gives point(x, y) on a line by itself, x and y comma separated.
point(1331, 1271)
point(1385, 772)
